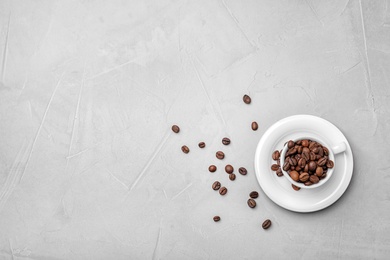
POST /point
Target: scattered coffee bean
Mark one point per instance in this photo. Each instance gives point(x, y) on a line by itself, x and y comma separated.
point(220, 155)
point(296, 188)
point(175, 129)
point(279, 172)
point(223, 190)
point(294, 175)
point(276, 155)
point(251, 203)
point(232, 176)
point(275, 167)
point(229, 168)
point(202, 145)
point(247, 99)
point(255, 126)
point(216, 218)
point(330, 164)
point(254, 194)
point(185, 149)
point(226, 141)
point(216, 185)
point(266, 224)
point(242, 171)
point(212, 168)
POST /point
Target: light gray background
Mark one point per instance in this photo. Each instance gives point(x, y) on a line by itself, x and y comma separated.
point(89, 168)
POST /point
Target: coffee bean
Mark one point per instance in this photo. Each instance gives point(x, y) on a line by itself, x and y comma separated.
point(326, 151)
point(312, 156)
point(320, 151)
point(315, 150)
point(298, 156)
point(220, 155)
point(232, 176)
point(247, 99)
point(292, 168)
point(323, 176)
point(306, 153)
point(275, 167)
point(185, 149)
point(299, 142)
point(279, 172)
point(202, 145)
point(312, 166)
point(216, 218)
point(300, 149)
point(305, 143)
point(286, 166)
point(212, 168)
point(223, 190)
point(302, 162)
point(251, 203)
point(308, 183)
point(292, 151)
point(304, 177)
point(226, 141)
point(314, 179)
point(255, 126)
point(306, 168)
point(330, 164)
point(296, 188)
point(266, 224)
point(175, 129)
point(294, 175)
point(242, 171)
point(294, 161)
point(276, 155)
point(319, 171)
point(229, 168)
point(290, 144)
point(254, 194)
point(216, 185)
point(322, 161)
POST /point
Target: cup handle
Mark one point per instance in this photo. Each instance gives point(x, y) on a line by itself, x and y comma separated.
point(341, 147)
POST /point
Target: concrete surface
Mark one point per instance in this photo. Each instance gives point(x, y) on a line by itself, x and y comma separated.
point(89, 168)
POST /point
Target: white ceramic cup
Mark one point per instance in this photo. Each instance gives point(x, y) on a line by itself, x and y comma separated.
point(341, 147)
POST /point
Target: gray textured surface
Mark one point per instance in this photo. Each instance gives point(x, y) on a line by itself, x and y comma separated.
point(89, 168)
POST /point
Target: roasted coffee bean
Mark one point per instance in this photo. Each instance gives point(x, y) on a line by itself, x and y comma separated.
point(318, 157)
point(314, 179)
point(326, 151)
point(216, 218)
point(276, 155)
point(226, 141)
point(305, 143)
point(251, 203)
point(315, 150)
point(299, 142)
point(175, 129)
point(212, 168)
point(242, 171)
point(319, 171)
point(266, 224)
point(306, 168)
point(308, 183)
point(292, 151)
point(289, 161)
point(323, 176)
point(312, 156)
point(185, 149)
point(312, 145)
point(294, 175)
point(293, 161)
point(306, 153)
point(216, 185)
point(320, 151)
point(223, 190)
point(202, 145)
point(292, 168)
point(304, 177)
point(298, 156)
point(254, 194)
point(312, 166)
point(229, 168)
point(247, 99)
point(279, 172)
point(290, 144)
point(299, 149)
point(255, 126)
point(298, 168)
point(220, 155)
point(296, 188)
point(232, 176)
point(330, 164)
point(286, 166)
point(302, 162)
point(275, 167)
point(322, 161)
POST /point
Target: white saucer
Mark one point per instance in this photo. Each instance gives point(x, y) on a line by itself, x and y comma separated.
point(279, 189)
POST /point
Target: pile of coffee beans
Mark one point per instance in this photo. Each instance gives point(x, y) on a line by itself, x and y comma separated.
point(306, 161)
point(229, 169)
